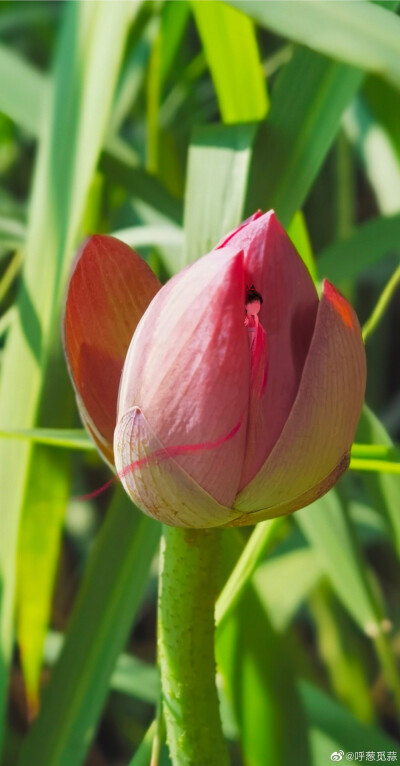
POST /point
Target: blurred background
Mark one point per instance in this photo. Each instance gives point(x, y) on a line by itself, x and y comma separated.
point(165, 124)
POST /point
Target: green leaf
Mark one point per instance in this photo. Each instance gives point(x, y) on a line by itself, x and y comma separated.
point(219, 161)
point(377, 154)
point(383, 489)
point(259, 682)
point(139, 236)
point(174, 18)
point(72, 126)
point(23, 92)
point(343, 652)
point(37, 560)
point(12, 232)
point(108, 601)
point(368, 243)
point(284, 582)
point(360, 34)
point(384, 102)
point(262, 537)
point(231, 51)
point(73, 438)
point(298, 233)
point(333, 728)
point(307, 104)
point(326, 525)
point(131, 675)
point(143, 185)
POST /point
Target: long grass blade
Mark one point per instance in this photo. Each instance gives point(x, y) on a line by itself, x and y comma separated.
point(72, 130)
point(230, 46)
point(110, 596)
point(360, 34)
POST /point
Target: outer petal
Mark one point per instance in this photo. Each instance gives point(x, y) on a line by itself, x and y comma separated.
point(188, 370)
point(155, 481)
point(313, 448)
point(110, 287)
point(294, 504)
point(288, 313)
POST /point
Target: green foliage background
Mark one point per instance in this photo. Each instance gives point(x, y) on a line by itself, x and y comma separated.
point(165, 124)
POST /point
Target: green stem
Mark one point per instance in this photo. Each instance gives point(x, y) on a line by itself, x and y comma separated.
point(187, 591)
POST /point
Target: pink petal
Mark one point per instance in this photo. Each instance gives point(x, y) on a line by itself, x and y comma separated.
point(288, 313)
point(188, 370)
point(109, 289)
point(313, 448)
point(289, 506)
point(157, 483)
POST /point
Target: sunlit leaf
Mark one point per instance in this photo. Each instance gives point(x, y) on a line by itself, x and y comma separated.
point(72, 125)
point(231, 51)
point(74, 698)
point(362, 35)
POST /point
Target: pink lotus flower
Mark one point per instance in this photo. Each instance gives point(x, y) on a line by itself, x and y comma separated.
point(209, 429)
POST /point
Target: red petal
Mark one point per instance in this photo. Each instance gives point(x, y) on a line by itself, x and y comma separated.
point(288, 313)
point(317, 437)
point(109, 289)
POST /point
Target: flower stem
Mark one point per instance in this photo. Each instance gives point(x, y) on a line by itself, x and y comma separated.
point(187, 591)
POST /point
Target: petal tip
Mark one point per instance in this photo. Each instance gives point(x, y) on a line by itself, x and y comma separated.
point(339, 303)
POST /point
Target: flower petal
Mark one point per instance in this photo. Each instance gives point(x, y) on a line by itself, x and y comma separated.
point(294, 504)
point(320, 429)
point(188, 370)
point(110, 287)
point(288, 313)
point(156, 483)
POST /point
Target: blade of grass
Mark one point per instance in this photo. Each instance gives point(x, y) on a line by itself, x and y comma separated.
point(7, 319)
point(38, 548)
point(98, 629)
point(383, 489)
point(139, 236)
point(360, 34)
point(368, 243)
point(298, 233)
point(375, 466)
point(264, 534)
point(174, 18)
point(382, 304)
point(12, 231)
point(379, 451)
point(284, 581)
point(10, 274)
point(219, 160)
point(259, 681)
point(341, 650)
point(332, 728)
point(307, 104)
point(74, 122)
point(328, 527)
point(23, 90)
point(131, 675)
point(74, 438)
point(377, 154)
point(231, 51)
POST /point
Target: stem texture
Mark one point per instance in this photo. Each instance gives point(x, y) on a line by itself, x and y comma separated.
point(187, 592)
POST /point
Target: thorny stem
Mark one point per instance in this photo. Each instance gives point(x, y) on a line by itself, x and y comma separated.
point(187, 591)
